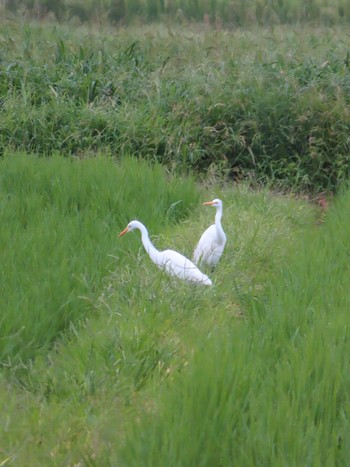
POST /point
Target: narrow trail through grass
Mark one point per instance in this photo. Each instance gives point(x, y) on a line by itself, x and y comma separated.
point(77, 402)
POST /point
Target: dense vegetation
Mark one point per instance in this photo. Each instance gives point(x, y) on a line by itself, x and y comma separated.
point(227, 12)
point(139, 369)
point(66, 222)
point(272, 390)
point(105, 360)
point(269, 103)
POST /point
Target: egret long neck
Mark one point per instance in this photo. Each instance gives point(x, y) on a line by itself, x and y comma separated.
point(149, 247)
point(219, 230)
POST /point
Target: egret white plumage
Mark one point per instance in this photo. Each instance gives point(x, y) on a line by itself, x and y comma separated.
point(170, 261)
point(212, 243)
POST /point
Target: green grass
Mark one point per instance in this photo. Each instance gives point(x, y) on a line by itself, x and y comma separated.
point(105, 360)
point(60, 223)
point(272, 390)
point(144, 332)
point(157, 372)
point(268, 104)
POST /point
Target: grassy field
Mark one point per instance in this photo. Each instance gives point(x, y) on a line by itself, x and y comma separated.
point(272, 389)
point(152, 370)
point(62, 218)
point(269, 104)
point(107, 361)
point(127, 329)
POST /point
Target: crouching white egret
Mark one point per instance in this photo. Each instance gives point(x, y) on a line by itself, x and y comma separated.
point(212, 243)
point(172, 262)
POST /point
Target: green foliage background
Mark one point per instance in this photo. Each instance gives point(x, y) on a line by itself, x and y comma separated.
point(268, 104)
point(229, 12)
point(104, 359)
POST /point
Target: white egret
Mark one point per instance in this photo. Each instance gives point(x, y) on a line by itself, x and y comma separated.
point(212, 243)
point(172, 262)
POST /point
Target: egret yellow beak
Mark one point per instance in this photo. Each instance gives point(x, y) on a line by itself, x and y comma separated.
point(123, 232)
point(208, 203)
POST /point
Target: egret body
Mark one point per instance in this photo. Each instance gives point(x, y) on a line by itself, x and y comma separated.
point(212, 243)
point(172, 262)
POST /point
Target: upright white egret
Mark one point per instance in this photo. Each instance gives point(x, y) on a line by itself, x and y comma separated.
point(172, 262)
point(212, 243)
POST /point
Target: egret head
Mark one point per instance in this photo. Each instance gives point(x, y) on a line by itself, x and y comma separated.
point(130, 227)
point(216, 203)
